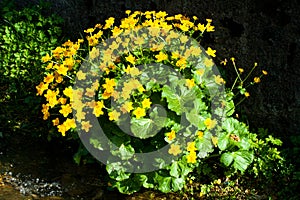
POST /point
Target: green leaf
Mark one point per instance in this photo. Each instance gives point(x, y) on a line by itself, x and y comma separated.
point(184, 167)
point(164, 183)
point(96, 144)
point(129, 186)
point(180, 99)
point(175, 170)
point(230, 108)
point(196, 119)
point(223, 141)
point(126, 152)
point(142, 128)
point(173, 99)
point(242, 159)
point(226, 159)
point(204, 145)
point(177, 184)
point(228, 125)
point(145, 181)
point(145, 128)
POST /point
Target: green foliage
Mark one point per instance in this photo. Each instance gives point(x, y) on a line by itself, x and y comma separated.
point(194, 119)
point(25, 36)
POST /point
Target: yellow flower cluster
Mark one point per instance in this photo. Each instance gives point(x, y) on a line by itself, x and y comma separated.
point(59, 65)
point(63, 62)
point(192, 156)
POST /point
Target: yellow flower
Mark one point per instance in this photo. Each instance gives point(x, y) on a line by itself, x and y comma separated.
point(57, 52)
point(55, 122)
point(224, 62)
point(183, 27)
point(201, 27)
point(90, 92)
point(94, 53)
point(200, 134)
point(62, 100)
point(93, 41)
point(241, 70)
point(208, 62)
point(62, 129)
point(161, 14)
point(219, 80)
point(80, 75)
point(46, 58)
point(130, 59)
point(128, 23)
point(218, 182)
point(190, 83)
point(49, 66)
point(126, 107)
point(109, 22)
point(139, 41)
point(61, 69)
point(174, 149)
point(146, 103)
point(114, 115)
point(49, 78)
point(116, 31)
point(41, 88)
point(211, 52)
point(265, 72)
point(161, 56)
point(98, 108)
point(191, 146)
point(95, 85)
point(85, 125)
point(68, 92)
point(171, 135)
point(200, 72)
point(69, 63)
point(214, 141)
point(114, 45)
point(139, 112)
point(128, 12)
point(184, 38)
point(51, 97)
point(209, 123)
point(256, 79)
point(247, 94)
point(175, 55)
point(125, 93)
point(69, 123)
point(133, 71)
point(191, 157)
point(65, 110)
point(178, 16)
point(58, 77)
point(109, 85)
point(89, 30)
point(195, 51)
point(181, 63)
point(80, 115)
point(209, 27)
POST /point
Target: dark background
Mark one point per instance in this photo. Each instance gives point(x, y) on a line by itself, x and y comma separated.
point(263, 31)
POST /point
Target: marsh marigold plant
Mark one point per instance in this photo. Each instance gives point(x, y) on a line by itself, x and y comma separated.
point(127, 79)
